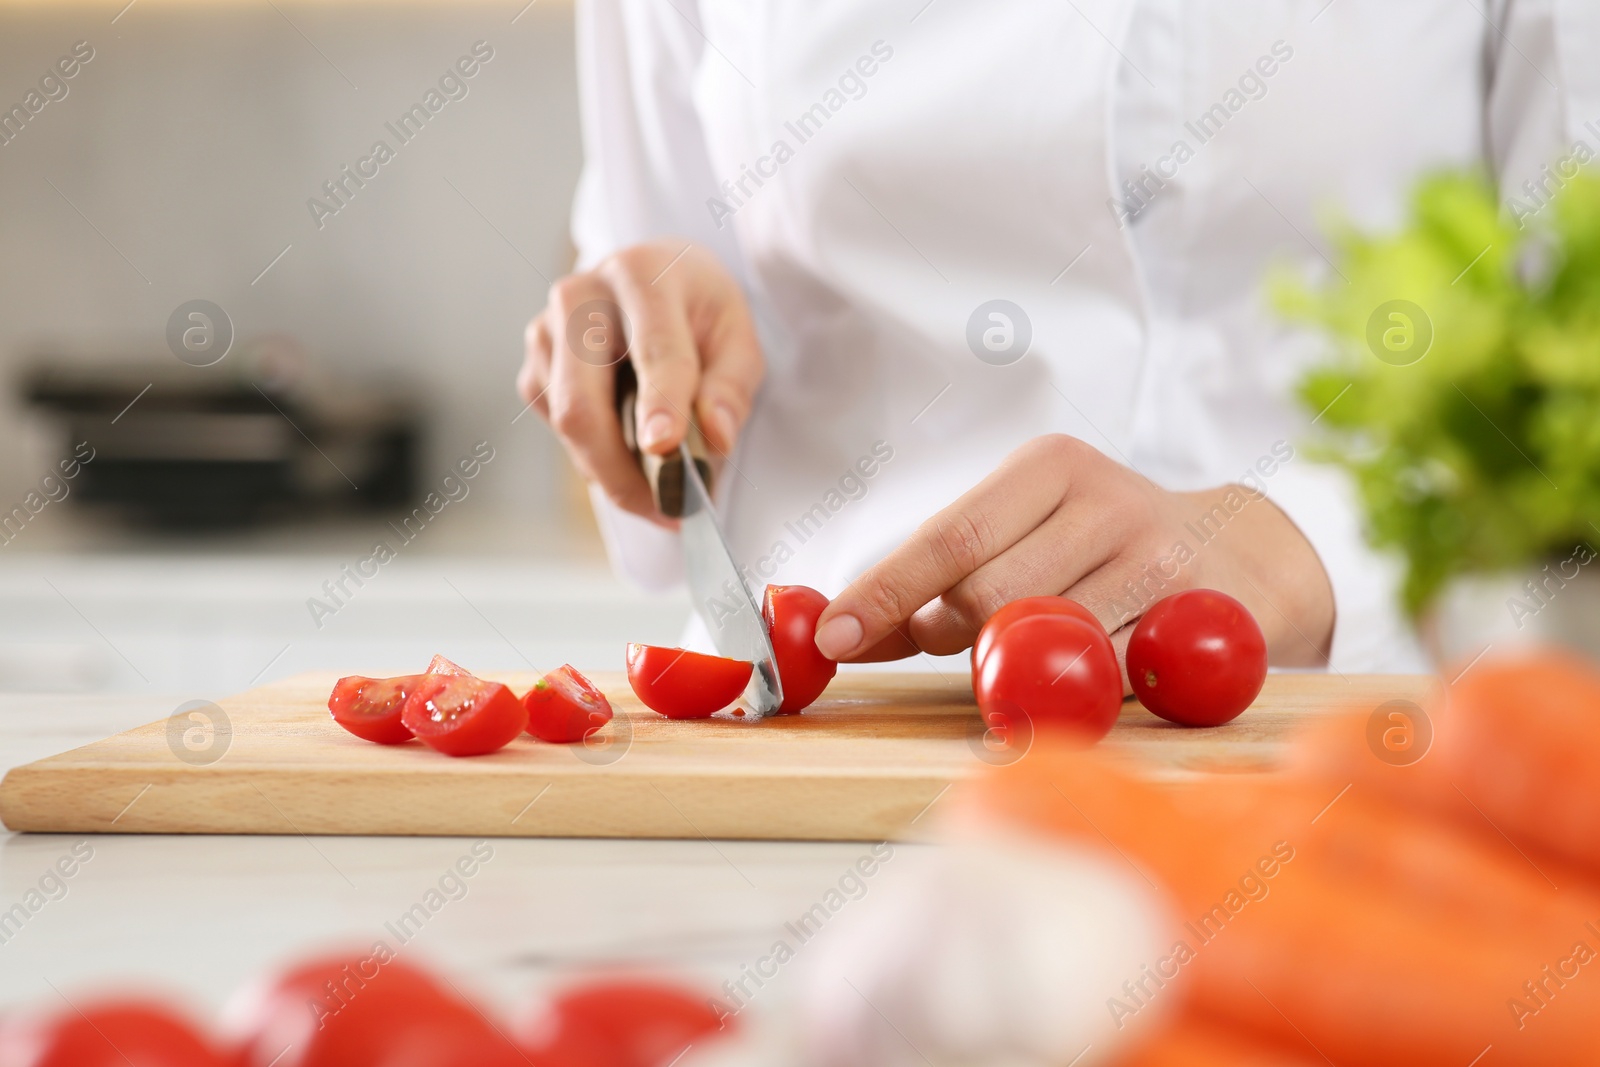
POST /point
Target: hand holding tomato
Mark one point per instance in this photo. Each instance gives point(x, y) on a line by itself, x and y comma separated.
point(1058, 516)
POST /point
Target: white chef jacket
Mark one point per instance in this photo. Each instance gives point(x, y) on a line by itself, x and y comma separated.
point(875, 170)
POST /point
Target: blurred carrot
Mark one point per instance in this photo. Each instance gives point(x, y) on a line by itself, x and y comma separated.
point(1334, 924)
point(1194, 1042)
point(1515, 755)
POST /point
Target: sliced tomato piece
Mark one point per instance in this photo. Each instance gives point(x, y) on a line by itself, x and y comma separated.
point(622, 1022)
point(791, 612)
point(460, 715)
point(685, 685)
point(370, 707)
point(439, 665)
point(112, 1033)
point(565, 707)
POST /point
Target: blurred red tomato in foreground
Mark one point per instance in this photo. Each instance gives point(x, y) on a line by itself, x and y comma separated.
point(110, 1033)
point(352, 1011)
point(620, 1022)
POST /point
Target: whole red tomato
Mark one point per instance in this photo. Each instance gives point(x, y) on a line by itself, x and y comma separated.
point(112, 1033)
point(621, 1022)
point(1197, 658)
point(681, 684)
point(791, 612)
point(565, 707)
point(460, 715)
point(1021, 609)
point(360, 1011)
point(370, 707)
point(1050, 674)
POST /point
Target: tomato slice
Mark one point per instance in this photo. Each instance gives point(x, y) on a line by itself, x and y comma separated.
point(791, 612)
point(360, 1011)
point(1021, 609)
point(565, 707)
point(460, 715)
point(439, 665)
point(111, 1033)
point(1051, 673)
point(622, 1022)
point(685, 685)
point(370, 707)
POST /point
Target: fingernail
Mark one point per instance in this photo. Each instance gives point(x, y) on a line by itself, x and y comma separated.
point(839, 636)
point(726, 424)
point(655, 429)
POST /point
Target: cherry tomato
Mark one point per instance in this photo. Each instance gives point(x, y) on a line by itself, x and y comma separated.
point(1197, 658)
point(1021, 609)
point(439, 665)
point(791, 612)
point(1050, 673)
point(359, 1011)
point(460, 715)
point(564, 707)
point(370, 707)
point(685, 685)
point(622, 1022)
point(117, 1033)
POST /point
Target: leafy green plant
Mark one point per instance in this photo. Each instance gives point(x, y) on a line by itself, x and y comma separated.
point(1462, 391)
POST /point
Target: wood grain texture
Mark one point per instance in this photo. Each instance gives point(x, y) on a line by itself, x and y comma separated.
point(862, 764)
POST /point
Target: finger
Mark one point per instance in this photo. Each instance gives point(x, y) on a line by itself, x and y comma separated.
point(533, 379)
point(984, 522)
point(898, 645)
point(731, 366)
point(660, 344)
point(1071, 543)
point(581, 392)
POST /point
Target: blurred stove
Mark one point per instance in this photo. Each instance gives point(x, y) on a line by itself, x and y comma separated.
point(176, 445)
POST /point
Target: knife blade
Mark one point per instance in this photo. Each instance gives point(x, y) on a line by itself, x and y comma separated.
point(721, 597)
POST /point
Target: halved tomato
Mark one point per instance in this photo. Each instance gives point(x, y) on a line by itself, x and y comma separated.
point(564, 707)
point(460, 715)
point(370, 707)
point(791, 612)
point(685, 685)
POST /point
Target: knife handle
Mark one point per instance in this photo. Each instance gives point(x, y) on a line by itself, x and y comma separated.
point(664, 473)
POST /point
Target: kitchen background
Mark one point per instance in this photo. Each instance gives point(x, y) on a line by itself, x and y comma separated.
point(177, 167)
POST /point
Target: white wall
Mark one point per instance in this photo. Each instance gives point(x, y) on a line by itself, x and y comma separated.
point(192, 141)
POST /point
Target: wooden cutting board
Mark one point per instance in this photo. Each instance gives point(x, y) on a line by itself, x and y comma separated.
point(863, 763)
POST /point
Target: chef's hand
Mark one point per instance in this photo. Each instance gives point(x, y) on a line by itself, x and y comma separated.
point(1058, 516)
point(687, 329)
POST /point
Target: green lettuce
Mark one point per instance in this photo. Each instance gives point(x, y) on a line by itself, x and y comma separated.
point(1476, 450)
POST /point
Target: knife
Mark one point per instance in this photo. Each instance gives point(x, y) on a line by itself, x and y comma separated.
point(679, 483)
